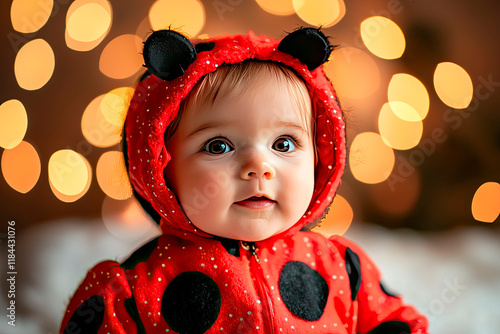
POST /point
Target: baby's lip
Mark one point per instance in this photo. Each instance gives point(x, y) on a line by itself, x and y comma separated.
point(259, 197)
point(256, 202)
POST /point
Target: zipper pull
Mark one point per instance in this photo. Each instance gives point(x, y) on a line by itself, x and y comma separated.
point(250, 246)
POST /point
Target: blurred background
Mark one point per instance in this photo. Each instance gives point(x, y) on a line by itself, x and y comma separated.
point(419, 81)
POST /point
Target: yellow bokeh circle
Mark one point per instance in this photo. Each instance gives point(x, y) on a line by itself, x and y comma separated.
point(187, 16)
point(371, 160)
point(87, 24)
point(453, 85)
point(320, 13)
point(408, 97)
point(34, 64)
point(96, 128)
point(277, 7)
point(398, 133)
point(68, 172)
point(114, 105)
point(383, 37)
point(13, 123)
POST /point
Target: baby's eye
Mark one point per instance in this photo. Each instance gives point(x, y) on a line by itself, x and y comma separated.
point(284, 144)
point(217, 146)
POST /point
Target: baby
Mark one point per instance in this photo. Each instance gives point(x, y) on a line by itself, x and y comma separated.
point(235, 146)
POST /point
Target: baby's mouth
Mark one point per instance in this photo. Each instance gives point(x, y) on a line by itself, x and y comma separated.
point(256, 202)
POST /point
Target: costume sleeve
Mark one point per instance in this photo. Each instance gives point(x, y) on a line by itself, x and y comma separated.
point(378, 310)
point(103, 303)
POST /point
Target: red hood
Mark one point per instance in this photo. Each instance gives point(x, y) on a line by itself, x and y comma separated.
point(156, 102)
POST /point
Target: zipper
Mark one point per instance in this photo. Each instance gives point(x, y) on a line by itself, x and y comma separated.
point(250, 247)
point(266, 301)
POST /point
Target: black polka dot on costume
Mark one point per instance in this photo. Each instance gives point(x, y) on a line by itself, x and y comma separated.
point(353, 267)
point(387, 292)
point(303, 290)
point(191, 303)
point(391, 327)
point(87, 318)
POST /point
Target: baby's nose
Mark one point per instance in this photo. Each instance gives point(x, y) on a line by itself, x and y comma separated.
point(257, 166)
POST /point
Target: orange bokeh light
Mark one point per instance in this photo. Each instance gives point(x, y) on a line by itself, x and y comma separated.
point(29, 16)
point(371, 161)
point(486, 202)
point(338, 219)
point(354, 73)
point(112, 175)
point(21, 167)
point(96, 129)
point(121, 58)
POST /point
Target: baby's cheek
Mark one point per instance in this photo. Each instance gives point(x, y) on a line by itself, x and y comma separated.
point(298, 189)
point(200, 192)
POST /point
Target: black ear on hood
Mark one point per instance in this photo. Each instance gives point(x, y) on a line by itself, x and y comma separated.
point(309, 45)
point(167, 54)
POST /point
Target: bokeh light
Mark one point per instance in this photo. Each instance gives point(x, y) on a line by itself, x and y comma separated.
point(87, 24)
point(277, 7)
point(28, 16)
point(188, 16)
point(338, 219)
point(354, 73)
point(96, 129)
point(320, 13)
point(13, 123)
point(112, 175)
point(126, 219)
point(412, 93)
point(69, 172)
point(121, 58)
point(383, 37)
point(486, 202)
point(371, 161)
point(398, 133)
point(114, 105)
point(72, 198)
point(34, 64)
point(21, 167)
point(453, 85)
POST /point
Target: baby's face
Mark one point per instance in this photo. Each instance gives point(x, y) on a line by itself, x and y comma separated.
point(244, 168)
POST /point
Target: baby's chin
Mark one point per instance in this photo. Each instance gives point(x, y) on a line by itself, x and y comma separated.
point(255, 233)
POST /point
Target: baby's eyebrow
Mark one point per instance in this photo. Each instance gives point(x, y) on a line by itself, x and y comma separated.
point(287, 124)
point(204, 127)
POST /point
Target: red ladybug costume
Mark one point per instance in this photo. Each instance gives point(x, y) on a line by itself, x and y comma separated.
point(187, 281)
